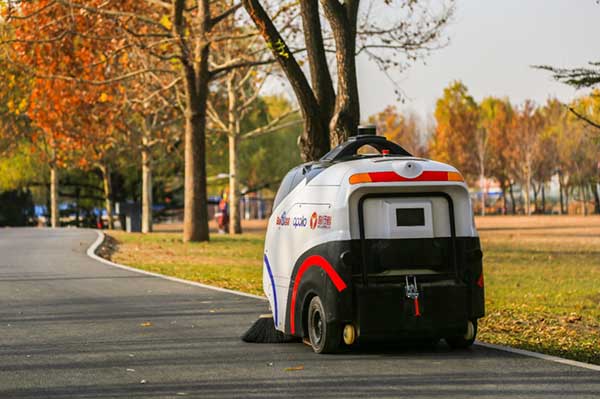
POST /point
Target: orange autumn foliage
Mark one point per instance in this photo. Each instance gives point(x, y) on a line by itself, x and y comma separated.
point(63, 51)
point(400, 128)
point(457, 117)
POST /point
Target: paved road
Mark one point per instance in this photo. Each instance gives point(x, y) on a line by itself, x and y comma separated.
point(72, 327)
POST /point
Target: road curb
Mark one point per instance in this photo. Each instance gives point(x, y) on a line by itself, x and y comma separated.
point(91, 252)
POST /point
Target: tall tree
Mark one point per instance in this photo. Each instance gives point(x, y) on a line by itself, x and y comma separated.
point(457, 117)
point(482, 137)
point(331, 116)
point(527, 125)
point(242, 90)
point(497, 121)
point(235, 97)
point(152, 119)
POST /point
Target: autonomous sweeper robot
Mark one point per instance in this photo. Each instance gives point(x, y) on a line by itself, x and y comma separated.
point(373, 246)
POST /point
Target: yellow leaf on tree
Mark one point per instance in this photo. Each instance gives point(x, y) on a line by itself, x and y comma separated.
point(166, 22)
point(22, 105)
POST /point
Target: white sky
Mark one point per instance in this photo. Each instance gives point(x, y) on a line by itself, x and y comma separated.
point(492, 45)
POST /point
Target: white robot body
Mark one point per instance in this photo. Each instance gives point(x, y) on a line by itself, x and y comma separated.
point(339, 227)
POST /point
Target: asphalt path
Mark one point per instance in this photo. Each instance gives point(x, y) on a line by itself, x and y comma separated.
point(72, 327)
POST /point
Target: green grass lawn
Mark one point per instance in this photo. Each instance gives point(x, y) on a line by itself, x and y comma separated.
point(228, 262)
point(542, 282)
point(543, 300)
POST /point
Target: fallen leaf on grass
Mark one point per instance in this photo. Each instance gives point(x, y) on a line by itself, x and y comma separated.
point(295, 368)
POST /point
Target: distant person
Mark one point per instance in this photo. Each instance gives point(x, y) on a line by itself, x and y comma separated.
point(99, 222)
point(222, 215)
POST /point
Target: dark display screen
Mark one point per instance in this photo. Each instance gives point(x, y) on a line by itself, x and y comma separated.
point(410, 217)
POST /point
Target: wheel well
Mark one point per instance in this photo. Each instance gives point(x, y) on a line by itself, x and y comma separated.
point(305, 306)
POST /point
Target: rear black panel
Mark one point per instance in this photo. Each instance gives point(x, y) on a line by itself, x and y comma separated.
point(381, 308)
point(385, 311)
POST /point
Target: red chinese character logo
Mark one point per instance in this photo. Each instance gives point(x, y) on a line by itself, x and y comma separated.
point(313, 220)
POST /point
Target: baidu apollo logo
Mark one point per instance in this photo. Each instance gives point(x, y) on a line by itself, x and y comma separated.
point(320, 221)
point(283, 220)
point(300, 221)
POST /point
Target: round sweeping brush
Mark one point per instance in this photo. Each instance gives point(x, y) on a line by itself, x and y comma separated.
point(263, 331)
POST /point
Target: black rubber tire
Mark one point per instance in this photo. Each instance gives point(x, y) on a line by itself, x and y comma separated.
point(324, 336)
point(463, 341)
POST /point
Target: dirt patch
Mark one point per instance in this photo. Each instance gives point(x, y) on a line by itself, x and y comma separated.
point(108, 248)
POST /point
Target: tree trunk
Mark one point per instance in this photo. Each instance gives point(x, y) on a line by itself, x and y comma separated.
point(54, 212)
point(346, 117)
point(528, 191)
point(107, 194)
point(562, 201)
point(482, 187)
point(195, 219)
point(235, 225)
point(527, 200)
point(535, 193)
point(543, 199)
point(77, 209)
point(594, 189)
point(146, 186)
point(196, 77)
point(567, 189)
point(583, 196)
point(512, 198)
point(504, 201)
point(48, 203)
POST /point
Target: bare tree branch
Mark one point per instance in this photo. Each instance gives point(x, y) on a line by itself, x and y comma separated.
point(114, 13)
point(117, 79)
point(273, 125)
point(225, 14)
point(584, 118)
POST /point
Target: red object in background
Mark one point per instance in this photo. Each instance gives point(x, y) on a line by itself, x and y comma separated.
point(223, 215)
point(99, 223)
